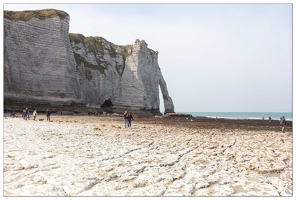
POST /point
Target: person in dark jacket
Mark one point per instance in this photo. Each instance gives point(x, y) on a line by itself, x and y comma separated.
point(26, 114)
point(129, 119)
point(48, 115)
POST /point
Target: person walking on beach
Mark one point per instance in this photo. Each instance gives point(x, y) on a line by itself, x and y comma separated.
point(125, 118)
point(35, 114)
point(129, 119)
point(26, 114)
point(269, 119)
point(48, 115)
point(283, 123)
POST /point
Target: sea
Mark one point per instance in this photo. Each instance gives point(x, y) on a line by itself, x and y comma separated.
point(244, 115)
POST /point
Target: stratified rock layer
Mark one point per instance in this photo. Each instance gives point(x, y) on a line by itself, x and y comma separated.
point(38, 62)
point(44, 66)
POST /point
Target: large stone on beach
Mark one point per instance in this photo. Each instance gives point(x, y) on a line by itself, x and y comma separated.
point(27, 164)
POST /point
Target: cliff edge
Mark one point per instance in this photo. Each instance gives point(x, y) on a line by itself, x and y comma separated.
point(45, 66)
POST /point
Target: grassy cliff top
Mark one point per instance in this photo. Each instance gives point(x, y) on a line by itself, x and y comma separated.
point(29, 14)
point(97, 43)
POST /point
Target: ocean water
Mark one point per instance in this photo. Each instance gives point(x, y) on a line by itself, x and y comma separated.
point(244, 115)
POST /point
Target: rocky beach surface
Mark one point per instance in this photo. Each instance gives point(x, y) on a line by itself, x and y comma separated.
point(158, 156)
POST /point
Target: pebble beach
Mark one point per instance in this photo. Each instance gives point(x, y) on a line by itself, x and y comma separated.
point(98, 156)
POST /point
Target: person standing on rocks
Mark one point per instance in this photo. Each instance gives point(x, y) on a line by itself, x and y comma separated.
point(35, 114)
point(48, 115)
point(283, 123)
point(129, 119)
point(125, 118)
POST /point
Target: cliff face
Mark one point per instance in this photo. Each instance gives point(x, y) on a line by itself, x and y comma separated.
point(44, 65)
point(38, 63)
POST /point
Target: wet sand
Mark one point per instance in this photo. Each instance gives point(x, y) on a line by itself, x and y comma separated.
point(98, 156)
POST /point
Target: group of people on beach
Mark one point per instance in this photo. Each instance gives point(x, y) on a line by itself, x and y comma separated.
point(283, 122)
point(127, 119)
point(26, 114)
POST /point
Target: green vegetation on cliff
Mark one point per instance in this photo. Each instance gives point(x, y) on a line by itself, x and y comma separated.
point(29, 14)
point(125, 52)
point(98, 46)
point(79, 59)
point(76, 38)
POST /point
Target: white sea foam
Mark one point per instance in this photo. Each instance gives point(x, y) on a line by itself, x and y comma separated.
point(244, 115)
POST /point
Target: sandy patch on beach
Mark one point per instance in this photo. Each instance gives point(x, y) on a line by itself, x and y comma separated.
point(97, 156)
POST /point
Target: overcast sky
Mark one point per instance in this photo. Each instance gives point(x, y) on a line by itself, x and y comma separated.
point(213, 57)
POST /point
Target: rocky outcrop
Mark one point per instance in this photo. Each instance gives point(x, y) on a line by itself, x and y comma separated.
point(46, 66)
point(128, 75)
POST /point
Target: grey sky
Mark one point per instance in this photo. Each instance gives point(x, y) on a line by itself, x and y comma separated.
point(214, 57)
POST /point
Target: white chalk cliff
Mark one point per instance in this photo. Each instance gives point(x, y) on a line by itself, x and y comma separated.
point(45, 66)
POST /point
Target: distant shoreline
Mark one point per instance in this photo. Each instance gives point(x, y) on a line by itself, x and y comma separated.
point(244, 115)
point(116, 115)
point(249, 119)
